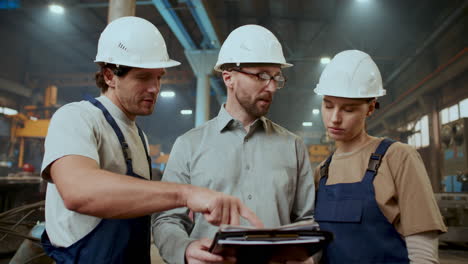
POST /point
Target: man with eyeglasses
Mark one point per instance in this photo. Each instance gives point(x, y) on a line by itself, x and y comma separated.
point(240, 152)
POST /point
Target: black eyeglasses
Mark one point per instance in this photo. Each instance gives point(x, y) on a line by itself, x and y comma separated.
point(265, 77)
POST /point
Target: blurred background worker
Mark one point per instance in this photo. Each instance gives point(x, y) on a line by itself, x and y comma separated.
point(374, 194)
point(239, 152)
point(96, 159)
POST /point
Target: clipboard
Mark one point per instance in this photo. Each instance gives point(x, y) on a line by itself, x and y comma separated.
point(291, 242)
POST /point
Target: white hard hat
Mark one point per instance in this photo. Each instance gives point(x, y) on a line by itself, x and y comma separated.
point(135, 42)
point(251, 44)
point(351, 74)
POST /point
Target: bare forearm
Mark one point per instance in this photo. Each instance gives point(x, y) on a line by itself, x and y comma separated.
point(112, 195)
point(89, 190)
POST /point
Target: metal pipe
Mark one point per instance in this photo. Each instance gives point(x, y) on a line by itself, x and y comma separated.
point(175, 23)
point(203, 21)
point(436, 151)
point(21, 153)
point(443, 27)
point(202, 110)
point(392, 107)
point(120, 8)
point(106, 4)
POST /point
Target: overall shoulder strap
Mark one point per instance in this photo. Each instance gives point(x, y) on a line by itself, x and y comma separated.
point(324, 167)
point(376, 159)
point(142, 137)
point(118, 132)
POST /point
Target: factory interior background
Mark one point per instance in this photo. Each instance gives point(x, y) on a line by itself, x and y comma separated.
point(420, 46)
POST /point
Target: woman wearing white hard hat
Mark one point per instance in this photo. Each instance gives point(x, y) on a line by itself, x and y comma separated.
point(372, 193)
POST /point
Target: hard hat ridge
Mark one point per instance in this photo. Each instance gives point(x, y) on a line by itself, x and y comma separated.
point(251, 44)
point(351, 74)
point(134, 42)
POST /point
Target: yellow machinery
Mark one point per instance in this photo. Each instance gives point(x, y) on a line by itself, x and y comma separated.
point(18, 189)
point(318, 153)
point(32, 124)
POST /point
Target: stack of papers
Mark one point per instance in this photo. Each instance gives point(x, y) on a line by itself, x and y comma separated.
point(302, 225)
point(296, 241)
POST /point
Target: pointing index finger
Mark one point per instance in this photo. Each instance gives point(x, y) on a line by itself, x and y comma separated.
point(250, 216)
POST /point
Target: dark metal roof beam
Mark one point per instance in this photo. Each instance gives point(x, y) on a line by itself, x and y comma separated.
point(199, 13)
point(174, 22)
point(106, 4)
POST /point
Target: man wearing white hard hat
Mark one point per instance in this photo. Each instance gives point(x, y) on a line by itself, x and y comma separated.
point(99, 197)
point(240, 152)
point(373, 193)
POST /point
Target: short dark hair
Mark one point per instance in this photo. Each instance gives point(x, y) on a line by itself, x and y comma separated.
point(377, 104)
point(120, 71)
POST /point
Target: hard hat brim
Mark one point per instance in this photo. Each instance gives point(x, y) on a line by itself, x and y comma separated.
point(155, 65)
point(323, 92)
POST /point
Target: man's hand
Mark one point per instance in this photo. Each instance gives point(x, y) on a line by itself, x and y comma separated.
point(219, 208)
point(197, 253)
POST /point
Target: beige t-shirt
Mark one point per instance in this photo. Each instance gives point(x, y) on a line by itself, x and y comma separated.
point(402, 187)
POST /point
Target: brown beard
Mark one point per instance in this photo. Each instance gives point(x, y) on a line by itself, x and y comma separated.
point(252, 109)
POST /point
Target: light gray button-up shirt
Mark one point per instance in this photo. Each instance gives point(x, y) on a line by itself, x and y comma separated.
point(267, 168)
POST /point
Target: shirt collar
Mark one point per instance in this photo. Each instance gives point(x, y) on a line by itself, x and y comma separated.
point(225, 120)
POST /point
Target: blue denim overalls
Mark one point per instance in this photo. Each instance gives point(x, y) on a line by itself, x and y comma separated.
point(362, 234)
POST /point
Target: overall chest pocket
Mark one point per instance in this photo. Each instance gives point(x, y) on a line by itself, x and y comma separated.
point(346, 211)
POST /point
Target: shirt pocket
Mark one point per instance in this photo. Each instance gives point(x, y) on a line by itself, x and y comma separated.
point(346, 211)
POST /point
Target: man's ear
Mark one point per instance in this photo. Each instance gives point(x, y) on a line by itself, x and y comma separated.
point(371, 109)
point(109, 77)
point(227, 78)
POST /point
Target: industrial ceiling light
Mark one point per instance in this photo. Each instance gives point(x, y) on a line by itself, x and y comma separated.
point(186, 112)
point(307, 124)
point(325, 60)
point(167, 94)
point(55, 8)
point(315, 111)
